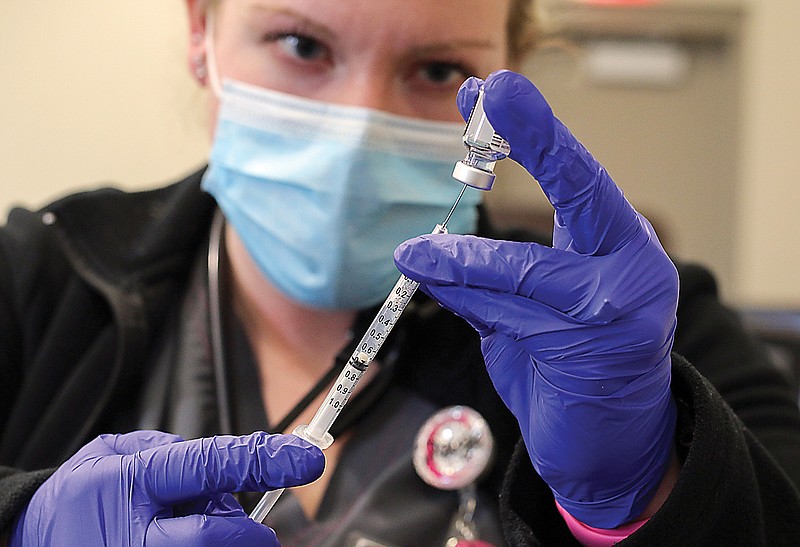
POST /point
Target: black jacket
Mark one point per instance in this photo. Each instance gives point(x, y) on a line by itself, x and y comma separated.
point(118, 261)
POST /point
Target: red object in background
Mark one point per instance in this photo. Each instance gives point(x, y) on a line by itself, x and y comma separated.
point(619, 2)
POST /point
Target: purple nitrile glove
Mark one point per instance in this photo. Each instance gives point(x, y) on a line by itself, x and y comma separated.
point(577, 337)
point(153, 488)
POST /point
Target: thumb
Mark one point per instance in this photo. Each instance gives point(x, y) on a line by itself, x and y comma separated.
point(562, 280)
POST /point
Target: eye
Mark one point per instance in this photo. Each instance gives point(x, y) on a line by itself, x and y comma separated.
point(441, 73)
point(299, 46)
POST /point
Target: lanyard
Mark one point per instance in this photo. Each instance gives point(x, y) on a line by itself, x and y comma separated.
point(357, 406)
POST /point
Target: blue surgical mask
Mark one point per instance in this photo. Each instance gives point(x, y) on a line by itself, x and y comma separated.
point(321, 194)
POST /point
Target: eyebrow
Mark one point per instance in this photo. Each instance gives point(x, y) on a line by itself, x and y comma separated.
point(317, 28)
point(325, 32)
point(454, 46)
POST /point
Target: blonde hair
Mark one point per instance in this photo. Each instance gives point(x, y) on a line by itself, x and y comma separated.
point(523, 30)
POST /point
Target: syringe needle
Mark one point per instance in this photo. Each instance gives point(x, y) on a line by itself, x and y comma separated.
point(453, 208)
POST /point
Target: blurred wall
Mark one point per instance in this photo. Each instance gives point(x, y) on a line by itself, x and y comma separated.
point(668, 137)
point(96, 92)
point(768, 240)
point(92, 92)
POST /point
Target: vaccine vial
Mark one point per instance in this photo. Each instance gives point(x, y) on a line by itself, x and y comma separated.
point(484, 149)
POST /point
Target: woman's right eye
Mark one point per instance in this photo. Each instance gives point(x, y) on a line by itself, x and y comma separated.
point(299, 46)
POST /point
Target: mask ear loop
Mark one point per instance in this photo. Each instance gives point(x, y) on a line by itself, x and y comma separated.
point(211, 55)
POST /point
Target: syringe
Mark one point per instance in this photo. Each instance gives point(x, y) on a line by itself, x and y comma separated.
point(316, 432)
point(484, 147)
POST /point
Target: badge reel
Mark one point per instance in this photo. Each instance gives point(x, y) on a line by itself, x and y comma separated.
point(452, 450)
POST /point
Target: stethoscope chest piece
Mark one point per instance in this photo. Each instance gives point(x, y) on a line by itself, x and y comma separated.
point(453, 448)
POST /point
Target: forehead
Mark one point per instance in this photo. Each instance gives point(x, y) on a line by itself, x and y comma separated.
point(389, 21)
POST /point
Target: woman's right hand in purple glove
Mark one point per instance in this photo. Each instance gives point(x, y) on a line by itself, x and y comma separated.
point(125, 489)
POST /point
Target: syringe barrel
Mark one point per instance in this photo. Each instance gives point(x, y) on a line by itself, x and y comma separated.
point(365, 352)
point(337, 397)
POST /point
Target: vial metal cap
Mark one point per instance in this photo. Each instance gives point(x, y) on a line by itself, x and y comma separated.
point(472, 176)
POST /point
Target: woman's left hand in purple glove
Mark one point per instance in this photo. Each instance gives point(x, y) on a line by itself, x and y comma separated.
point(576, 337)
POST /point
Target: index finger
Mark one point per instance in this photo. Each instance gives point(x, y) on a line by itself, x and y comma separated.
point(257, 462)
point(587, 201)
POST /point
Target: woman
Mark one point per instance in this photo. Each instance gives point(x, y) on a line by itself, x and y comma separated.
point(157, 311)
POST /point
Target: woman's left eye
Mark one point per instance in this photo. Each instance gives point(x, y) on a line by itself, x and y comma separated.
point(443, 73)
